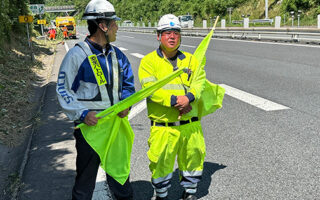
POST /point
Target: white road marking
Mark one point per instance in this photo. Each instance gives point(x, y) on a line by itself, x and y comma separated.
point(259, 102)
point(184, 45)
point(83, 34)
point(66, 46)
point(100, 190)
point(122, 49)
point(137, 109)
point(127, 36)
point(138, 55)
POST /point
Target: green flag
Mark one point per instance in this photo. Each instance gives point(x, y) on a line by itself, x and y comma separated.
point(212, 95)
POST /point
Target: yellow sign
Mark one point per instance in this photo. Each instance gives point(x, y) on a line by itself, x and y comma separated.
point(96, 67)
point(42, 21)
point(25, 19)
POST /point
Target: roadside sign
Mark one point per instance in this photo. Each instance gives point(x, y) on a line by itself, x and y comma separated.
point(41, 21)
point(25, 19)
point(36, 8)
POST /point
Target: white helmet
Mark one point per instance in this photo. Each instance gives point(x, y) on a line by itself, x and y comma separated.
point(99, 9)
point(169, 22)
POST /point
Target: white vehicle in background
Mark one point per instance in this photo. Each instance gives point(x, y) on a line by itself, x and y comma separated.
point(186, 21)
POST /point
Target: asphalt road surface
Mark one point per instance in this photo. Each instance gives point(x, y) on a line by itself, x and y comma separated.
point(263, 144)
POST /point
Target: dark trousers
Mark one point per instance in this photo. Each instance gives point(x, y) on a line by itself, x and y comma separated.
point(87, 165)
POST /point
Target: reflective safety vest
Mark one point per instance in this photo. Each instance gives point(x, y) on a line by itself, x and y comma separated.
point(101, 80)
point(154, 67)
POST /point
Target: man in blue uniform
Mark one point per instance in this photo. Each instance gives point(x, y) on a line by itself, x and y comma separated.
point(93, 76)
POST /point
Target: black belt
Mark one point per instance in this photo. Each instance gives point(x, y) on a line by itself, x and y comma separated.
point(178, 123)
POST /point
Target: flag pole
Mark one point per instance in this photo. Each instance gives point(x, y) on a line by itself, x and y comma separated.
point(200, 61)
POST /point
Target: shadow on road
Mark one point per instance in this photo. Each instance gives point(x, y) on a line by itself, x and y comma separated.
point(143, 189)
point(49, 173)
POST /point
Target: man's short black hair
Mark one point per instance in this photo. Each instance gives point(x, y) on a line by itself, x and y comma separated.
point(93, 25)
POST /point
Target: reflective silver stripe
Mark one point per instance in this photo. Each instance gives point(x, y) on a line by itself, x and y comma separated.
point(102, 88)
point(191, 173)
point(85, 47)
point(161, 179)
point(161, 190)
point(148, 79)
point(162, 195)
point(191, 190)
point(194, 185)
point(115, 72)
point(105, 101)
point(173, 87)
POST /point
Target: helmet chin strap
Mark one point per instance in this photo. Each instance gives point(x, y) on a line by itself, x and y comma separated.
point(105, 32)
point(106, 35)
point(160, 34)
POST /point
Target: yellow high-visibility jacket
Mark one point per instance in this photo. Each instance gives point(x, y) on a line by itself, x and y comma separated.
point(155, 66)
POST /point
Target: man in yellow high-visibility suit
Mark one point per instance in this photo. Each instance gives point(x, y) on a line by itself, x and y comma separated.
point(175, 130)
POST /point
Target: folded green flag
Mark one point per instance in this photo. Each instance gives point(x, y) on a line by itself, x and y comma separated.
point(112, 137)
point(212, 96)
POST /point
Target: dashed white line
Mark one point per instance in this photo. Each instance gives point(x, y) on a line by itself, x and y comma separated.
point(66, 46)
point(127, 36)
point(137, 109)
point(83, 34)
point(138, 55)
point(100, 190)
point(184, 45)
point(123, 49)
point(254, 100)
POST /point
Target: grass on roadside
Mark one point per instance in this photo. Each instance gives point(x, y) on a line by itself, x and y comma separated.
point(18, 77)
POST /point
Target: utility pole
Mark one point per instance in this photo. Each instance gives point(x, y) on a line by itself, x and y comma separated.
point(229, 10)
point(266, 12)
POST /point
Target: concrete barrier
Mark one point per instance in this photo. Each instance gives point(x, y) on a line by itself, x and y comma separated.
point(223, 23)
point(277, 24)
point(246, 23)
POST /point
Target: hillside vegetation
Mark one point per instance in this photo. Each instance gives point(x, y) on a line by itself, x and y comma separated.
point(18, 72)
point(152, 10)
point(146, 10)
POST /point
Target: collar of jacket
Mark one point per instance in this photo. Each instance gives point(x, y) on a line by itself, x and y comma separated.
point(180, 55)
point(96, 48)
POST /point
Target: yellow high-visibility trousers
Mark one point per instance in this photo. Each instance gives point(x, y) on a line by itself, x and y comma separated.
point(185, 142)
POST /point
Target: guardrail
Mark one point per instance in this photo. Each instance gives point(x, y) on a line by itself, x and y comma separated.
point(254, 21)
point(302, 35)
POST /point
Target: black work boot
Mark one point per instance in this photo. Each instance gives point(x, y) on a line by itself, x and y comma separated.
point(188, 196)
